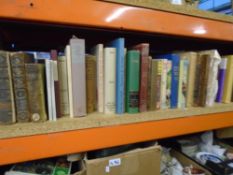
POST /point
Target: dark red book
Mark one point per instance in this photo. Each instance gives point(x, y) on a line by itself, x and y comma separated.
point(53, 54)
point(144, 65)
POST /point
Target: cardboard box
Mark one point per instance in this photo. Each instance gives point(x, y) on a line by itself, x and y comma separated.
point(224, 133)
point(136, 162)
point(186, 161)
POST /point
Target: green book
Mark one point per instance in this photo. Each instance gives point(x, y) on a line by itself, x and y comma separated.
point(132, 81)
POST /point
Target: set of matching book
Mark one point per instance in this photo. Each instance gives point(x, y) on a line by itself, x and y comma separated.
point(39, 87)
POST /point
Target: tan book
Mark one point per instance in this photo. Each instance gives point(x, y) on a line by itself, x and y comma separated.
point(91, 83)
point(63, 85)
point(204, 75)
point(192, 57)
point(98, 51)
point(18, 60)
point(36, 92)
point(228, 83)
point(7, 104)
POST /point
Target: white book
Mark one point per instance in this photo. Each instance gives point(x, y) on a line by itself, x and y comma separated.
point(48, 88)
point(69, 79)
point(49, 68)
point(109, 80)
point(99, 53)
point(63, 85)
point(54, 78)
point(78, 71)
point(164, 84)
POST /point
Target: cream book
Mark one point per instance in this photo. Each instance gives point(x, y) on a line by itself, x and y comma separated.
point(63, 85)
point(109, 80)
point(228, 83)
point(69, 79)
point(192, 57)
point(98, 51)
point(78, 75)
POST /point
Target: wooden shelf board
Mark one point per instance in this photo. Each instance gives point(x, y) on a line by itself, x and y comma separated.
point(106, 132)
point(115, 16)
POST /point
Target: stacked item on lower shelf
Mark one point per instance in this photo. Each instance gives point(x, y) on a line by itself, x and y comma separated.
point(212, 155)
point(133, 159)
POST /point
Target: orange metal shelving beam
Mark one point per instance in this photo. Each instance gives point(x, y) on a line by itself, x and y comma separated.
point(47, 145)
point(108, 15)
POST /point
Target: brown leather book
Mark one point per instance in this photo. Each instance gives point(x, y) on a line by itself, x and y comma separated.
point(204, 73)
point(53, 54)
point(18, 60)
point(36, 92)
point(144, 73)
point(7, 104)
point(91, 83)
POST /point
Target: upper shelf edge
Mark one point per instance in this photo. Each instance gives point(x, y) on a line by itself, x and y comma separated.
point(115, 16)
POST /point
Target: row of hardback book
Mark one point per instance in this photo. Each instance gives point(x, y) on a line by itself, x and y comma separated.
point(40, 86)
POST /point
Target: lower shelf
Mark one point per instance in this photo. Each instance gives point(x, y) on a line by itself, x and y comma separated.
point(22, 142)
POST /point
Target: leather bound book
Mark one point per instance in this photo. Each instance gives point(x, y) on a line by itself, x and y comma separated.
point(204, 69)
point(36, 92)
point(53, 54)
point(91, 83)
point(144, 64)
point(18, 60)
point(152, 86)
point(7, 104)
point(63, 85)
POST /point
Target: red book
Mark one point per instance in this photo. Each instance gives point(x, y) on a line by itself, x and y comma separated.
point(144, 65)
point(53, 54)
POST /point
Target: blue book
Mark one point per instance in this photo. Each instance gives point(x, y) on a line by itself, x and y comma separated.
point(175, 77)
point(119, 44)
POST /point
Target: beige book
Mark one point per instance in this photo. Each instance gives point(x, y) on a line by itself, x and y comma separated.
point(164, 84)
point(63, 85)
point(78, 71)
point(228, 83)
point(69, 79)
point(192, 57)
point(99, 53)
point(109, 80)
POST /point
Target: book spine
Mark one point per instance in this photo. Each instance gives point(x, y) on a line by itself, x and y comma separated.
point(164, 84)
point(183, 83)
point(49, 82)
point(197, 81)
point(152, 87)
point(228, 80)
point(175, 81)
point(132, 81)
point(192, 57)
point(144, 63)
point(158, 83)
point(100, 77)
point(7, 105)
point(221, 79)
point(91, 82)
point(63, 85)
point(204, 69)
point(56, 86)
point(168, 84)
point(20, 86)
point(69, 78)
point(149, 84)
point(109, 80)
point(35, 85)
point(54, 76)
point(119, 44)
point(78, 70)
